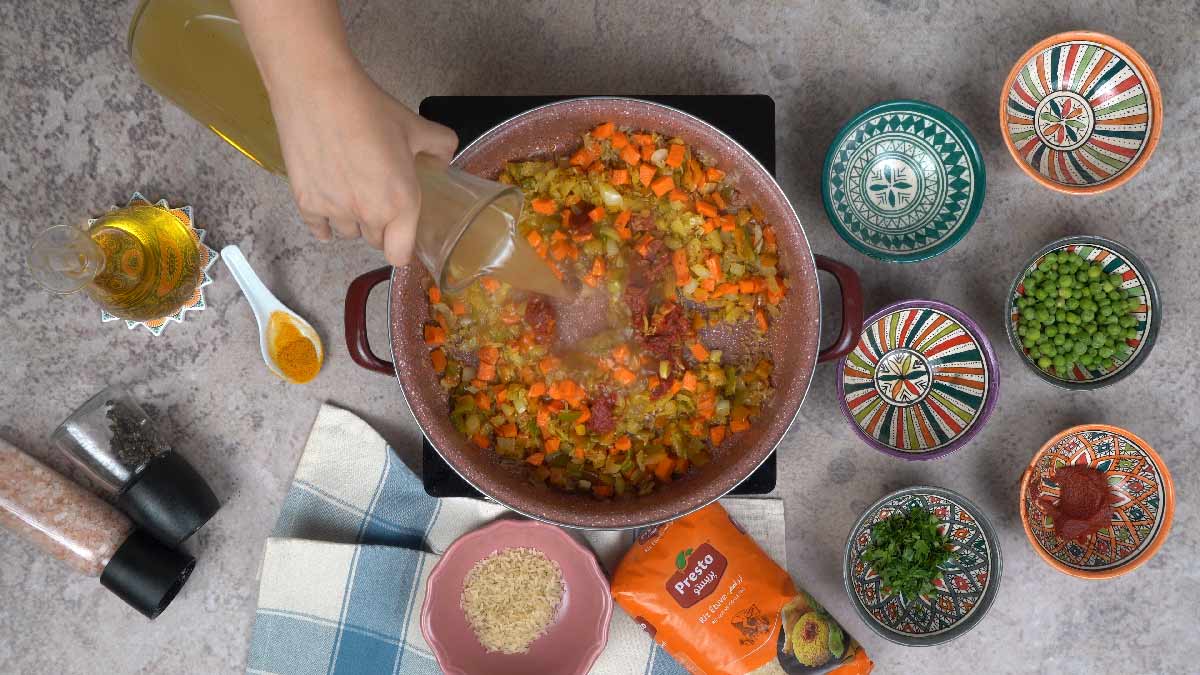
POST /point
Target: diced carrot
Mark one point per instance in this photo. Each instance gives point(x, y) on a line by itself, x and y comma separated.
point(700, 295)
point(698, 351)
point(709, 284)
point(647, 152)
point(546, 207)
point(643, 245)
point(547, 364)
point(724, 289)
point(434, 335)
point(508, 430)
point(689, 381)
point(458, 307)
point(537, 389)
point(620, 176)
point(662, 186)
point(552, 444)
point(587, 415)
point(737, 426)
point(439, 360)
point(435, 295)
point(623, 218)
point(758, 213)
point(590, 280)
point(619, 140)
point(574, 251)
point(646, 174)
point(727, 223)
point(598, 267)
point(714, 267)
point(643, 139)
point(501, 393)
point(582, 157)
point(717, 199)
point(713, 174)
point(490, 284)
point(761, 318)
point(623, 443)
point(595, 167)
point(746, 286)
point(675, 155)
point(717, 434)
point(680, 261)
point(489, 354)
point(709, 225)
point(577, 453)
point(560, 250)
point(696, 429)
point(604, 130)
point(602, 490)
point(596, 214)
point(678, 195)
point(631, 155)
point(621, 353)
point(662, 470)
point(624, 376)
point(705, 209)
point(675, 387)
point(534, 238)
point(486, 371)
point(482, 441)
point(536, 458)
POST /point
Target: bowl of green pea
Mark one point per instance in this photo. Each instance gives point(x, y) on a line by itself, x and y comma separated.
point(1083, 312)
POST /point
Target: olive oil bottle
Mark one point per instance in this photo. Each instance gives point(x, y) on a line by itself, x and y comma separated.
point(141, 262)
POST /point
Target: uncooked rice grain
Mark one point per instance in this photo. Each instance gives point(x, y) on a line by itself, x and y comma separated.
point(511, 598)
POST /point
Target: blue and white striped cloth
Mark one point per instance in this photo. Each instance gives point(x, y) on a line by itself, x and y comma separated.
point(343, 574)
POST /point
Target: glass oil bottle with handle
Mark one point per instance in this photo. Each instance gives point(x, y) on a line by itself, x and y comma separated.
point(140, 262)
point(193, 52)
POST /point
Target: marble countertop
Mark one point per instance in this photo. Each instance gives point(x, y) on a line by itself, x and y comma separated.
point(79, 131)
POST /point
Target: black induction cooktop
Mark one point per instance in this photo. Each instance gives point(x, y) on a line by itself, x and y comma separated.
point(749, 119)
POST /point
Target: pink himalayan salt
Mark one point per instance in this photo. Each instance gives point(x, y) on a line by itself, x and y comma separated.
point(60, 517)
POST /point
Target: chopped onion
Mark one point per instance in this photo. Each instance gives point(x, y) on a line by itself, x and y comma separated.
point(609, 195)
point(659, 157)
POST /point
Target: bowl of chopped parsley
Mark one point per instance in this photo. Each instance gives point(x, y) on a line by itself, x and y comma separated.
point(922, 566)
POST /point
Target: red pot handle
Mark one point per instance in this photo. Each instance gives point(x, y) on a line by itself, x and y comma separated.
point(852, 308)
point(356, 321)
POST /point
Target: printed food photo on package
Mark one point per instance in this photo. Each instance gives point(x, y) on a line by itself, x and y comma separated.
point(704, 590)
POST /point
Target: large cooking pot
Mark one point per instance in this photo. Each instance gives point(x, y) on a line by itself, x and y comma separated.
point(793, 339)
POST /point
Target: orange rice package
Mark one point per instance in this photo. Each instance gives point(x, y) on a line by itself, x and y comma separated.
point(705, 591)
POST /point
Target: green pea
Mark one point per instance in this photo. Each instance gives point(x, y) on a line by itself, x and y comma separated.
point(1045, 362)
point(1094, 272)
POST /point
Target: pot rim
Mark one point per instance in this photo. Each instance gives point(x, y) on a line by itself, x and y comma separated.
point(721, 491)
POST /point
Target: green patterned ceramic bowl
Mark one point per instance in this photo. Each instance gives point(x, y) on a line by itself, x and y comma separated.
point(961, 597)
point(1116, 260)
point(903, 181)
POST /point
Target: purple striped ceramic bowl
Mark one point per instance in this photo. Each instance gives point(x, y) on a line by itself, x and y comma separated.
point(921, 382)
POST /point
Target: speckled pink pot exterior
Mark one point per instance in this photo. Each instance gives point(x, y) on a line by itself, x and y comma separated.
point(793, 339)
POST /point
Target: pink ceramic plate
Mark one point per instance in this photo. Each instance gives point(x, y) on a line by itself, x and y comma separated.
point(572, 642)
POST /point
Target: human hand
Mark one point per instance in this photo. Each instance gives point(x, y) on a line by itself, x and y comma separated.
point(349, 148)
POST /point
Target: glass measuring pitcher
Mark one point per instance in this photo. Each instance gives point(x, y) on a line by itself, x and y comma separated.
point(193, 52)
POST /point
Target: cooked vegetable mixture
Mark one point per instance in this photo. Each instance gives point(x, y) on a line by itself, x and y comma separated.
point(642, 219)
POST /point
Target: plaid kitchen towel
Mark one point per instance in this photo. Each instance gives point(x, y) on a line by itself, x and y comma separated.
point(343, 573)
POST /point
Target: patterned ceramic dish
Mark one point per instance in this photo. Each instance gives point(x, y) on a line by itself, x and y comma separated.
point(570, 645)
point(1081, 112)
point(921, 382)
point(903, 181)
point(963, 595)
point(1143, 496)
point(1116, 260)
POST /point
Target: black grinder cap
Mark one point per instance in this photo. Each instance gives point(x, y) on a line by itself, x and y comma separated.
point(169, 499)
point(146, 574)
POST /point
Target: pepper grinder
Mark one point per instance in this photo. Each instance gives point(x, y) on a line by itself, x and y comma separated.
point(113, 439)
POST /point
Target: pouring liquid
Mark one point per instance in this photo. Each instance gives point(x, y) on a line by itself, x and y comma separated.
point(194, 53)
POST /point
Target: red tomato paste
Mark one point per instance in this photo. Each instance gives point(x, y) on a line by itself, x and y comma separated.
point(1084, 505)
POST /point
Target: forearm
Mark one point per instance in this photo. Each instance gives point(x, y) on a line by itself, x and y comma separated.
point(295, 42)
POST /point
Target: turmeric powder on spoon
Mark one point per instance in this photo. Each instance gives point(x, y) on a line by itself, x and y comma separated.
point(296, 356)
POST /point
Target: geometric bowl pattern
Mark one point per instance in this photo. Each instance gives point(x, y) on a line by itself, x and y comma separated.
point(903, 181)
point(1141, 491)
point(1081, 112)
point(920, 382)
point(1115, 259)
point(961, 596)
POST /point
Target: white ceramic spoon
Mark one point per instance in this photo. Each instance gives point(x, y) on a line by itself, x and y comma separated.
point(264, 303)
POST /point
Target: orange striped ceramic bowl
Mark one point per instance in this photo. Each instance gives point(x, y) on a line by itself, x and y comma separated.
point(1140, 489)
point(1081, 112)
